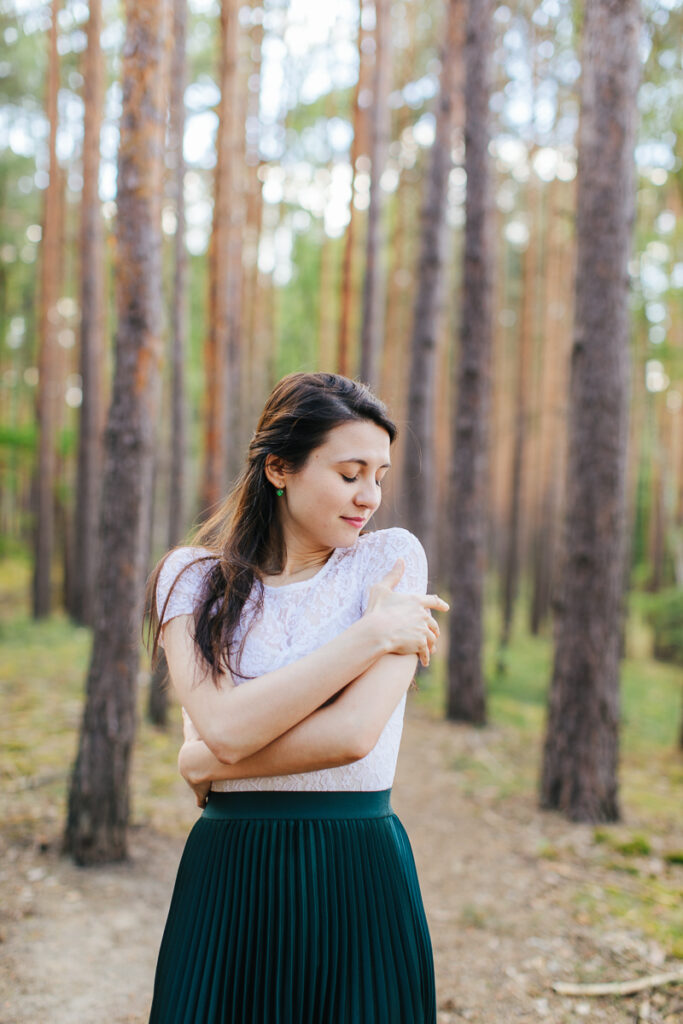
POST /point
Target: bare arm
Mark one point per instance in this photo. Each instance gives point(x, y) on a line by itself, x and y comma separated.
point(237, 721)
point(337, 734)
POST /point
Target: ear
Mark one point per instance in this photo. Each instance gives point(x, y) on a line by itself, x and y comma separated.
point(275, 470)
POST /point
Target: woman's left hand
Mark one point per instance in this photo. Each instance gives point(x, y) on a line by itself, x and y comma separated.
point(201, 792)
point(200, 787)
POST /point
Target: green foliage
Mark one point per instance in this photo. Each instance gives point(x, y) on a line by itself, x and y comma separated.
point(664, 612)
point(637, 846)
point(299, 308)
point(23, 435)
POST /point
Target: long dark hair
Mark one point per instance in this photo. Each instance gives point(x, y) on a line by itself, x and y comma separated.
point(244, 534)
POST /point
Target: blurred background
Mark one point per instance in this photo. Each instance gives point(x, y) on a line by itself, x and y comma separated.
point(310, 191)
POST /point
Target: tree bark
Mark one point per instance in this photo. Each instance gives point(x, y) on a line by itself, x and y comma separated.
point(219, 394)
point(254, 373)
point(179, 416)
point(466, 699)
point(347, 276)
point(237, 428)
point(374, 283)
point(420, 460)
point(525, 360)
point(98, 805)
point(579, 774)
point(157, 708)
point(48, 397)
point(92, 413)
point(559, 264)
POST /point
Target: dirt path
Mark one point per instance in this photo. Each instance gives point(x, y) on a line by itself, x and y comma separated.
point(79, 947)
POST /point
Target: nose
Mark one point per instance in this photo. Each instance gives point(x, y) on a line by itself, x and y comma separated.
point(369, 495)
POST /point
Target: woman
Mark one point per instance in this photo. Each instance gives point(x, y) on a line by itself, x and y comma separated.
point(291, 639)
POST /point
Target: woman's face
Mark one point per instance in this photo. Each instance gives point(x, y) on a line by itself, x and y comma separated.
point(327, 502)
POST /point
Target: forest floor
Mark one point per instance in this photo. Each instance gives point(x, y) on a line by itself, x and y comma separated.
point(517, 899)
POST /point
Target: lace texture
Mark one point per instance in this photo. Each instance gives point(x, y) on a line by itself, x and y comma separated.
point(299, 617)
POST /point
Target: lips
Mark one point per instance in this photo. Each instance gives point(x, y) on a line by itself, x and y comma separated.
point(354, 522)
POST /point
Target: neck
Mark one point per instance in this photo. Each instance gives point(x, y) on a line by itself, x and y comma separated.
point(301, 555)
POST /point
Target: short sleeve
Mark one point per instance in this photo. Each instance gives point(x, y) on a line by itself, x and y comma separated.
point(384, 547)
point(187, 589)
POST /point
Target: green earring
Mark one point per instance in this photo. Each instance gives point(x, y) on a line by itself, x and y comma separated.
point(280, 491)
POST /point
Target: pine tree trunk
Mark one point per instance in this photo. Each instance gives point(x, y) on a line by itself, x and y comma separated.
point(236, 426)
point(92, 332)
point(48, 397)
point(661, 532)
point(219, 394)
point(419, 455)
point(157, 708)
point(254, 378)
point(466, 696)
point(579, 775)
point(98, 806)
point(374, 282)
point(347, 276)
point(525, 356)
point(542, 547)
point(179, 416)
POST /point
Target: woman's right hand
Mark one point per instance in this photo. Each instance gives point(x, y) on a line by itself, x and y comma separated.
point(405, 620)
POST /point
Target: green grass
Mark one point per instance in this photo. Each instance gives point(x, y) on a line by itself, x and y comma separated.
point(43, 669)
point(651, 766)
point(651, 769)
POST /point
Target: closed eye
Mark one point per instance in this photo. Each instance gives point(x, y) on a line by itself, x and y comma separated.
point(352, 480)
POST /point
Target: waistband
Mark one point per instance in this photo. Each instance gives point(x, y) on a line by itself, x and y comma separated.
point(269, 803)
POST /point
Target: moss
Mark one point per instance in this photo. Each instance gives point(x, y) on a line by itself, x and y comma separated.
point(636, 846)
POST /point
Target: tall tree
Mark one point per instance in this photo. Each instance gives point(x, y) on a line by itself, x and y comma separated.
point(466, 696)
point(98, 806)
point(372, 330)
point(358, 117)
point(238, 428)
point(48, 356)
point(548, 472)
point(219, 393)
point(523, 387)
point(254, 377)
point(92, 331)
point(176, 160)
point(158, 690)
point(579, 775)
point(419, 458)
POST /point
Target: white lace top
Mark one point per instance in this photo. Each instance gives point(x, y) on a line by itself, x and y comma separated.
point(299, 617)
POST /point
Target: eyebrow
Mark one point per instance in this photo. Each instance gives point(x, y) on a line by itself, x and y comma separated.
point(385, 465)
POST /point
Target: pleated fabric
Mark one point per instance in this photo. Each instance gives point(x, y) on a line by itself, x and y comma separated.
point(296, 908)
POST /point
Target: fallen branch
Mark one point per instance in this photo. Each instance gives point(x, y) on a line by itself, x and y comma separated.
point(618, 988)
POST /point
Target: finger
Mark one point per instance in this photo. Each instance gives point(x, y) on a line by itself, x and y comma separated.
point(434, 601)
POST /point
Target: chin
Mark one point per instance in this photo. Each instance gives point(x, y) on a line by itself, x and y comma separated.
point(349, 534)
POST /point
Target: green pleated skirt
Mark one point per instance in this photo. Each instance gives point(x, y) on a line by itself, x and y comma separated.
point(296, 908)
